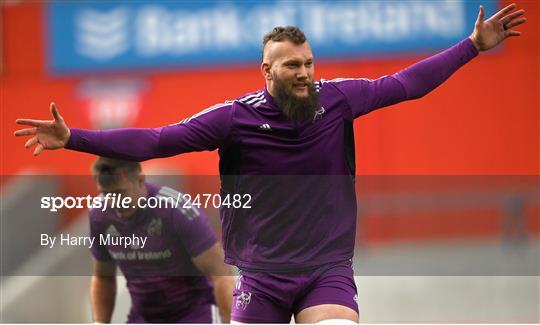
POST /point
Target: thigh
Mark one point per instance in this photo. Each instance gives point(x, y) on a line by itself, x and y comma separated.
point(255, 302)
point(332, 294)
point(318, 313)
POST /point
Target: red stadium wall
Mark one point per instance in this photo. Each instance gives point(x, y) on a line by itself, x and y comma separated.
point(483, 121)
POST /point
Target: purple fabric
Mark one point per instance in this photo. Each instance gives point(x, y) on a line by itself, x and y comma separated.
point(162, 280)
point(273, 298)
point(205, 132)
point(304, 214)
point(365, 95)
point(198, 314)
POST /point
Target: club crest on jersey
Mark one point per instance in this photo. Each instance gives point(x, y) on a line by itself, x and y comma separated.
point(154, 227)
point(243, 300)
point(318, 114)
point(112, 231)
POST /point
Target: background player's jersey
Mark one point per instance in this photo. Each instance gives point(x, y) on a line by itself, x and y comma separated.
point(300, 175)
point(161, 278)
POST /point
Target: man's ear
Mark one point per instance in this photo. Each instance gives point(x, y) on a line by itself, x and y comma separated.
point(265, 71)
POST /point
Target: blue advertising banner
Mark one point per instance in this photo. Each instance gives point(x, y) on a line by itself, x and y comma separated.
point(120, 35)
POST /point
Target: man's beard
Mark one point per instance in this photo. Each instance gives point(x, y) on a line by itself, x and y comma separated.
point(296, 109)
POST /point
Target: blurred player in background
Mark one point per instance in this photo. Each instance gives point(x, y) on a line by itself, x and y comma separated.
point(294, 247)
point(168, 277)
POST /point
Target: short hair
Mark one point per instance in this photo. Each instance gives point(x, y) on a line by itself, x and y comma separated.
point(107, 170)
point(284, 33)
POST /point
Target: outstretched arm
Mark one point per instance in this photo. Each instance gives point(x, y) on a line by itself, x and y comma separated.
point(364, 95)
point(423, 77)
point(204, 131)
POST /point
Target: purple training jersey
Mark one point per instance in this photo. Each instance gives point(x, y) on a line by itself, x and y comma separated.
point(297, 221)
point(162, 280)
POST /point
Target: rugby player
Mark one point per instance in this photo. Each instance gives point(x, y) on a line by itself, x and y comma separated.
point(294, 258)
point(177, 276)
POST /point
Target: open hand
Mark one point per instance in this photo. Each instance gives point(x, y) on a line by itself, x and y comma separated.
point(52, 134)
point(489, 33)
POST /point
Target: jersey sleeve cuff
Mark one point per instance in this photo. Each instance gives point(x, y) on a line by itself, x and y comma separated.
point(74, 139)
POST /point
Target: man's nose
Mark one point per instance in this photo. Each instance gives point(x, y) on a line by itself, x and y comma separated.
point(302, 73)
